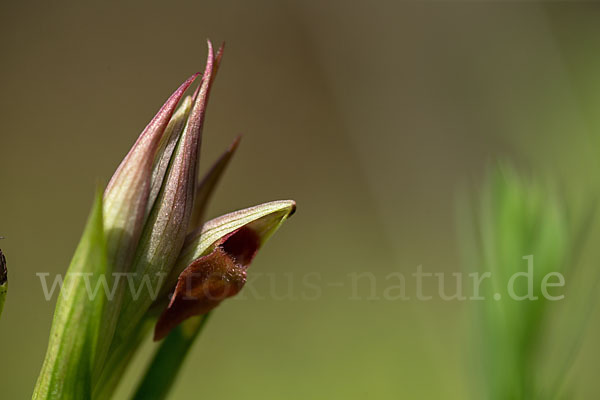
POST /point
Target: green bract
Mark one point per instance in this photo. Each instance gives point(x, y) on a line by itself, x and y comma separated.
point(72, 350)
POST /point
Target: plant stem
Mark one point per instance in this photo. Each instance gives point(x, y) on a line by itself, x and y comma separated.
point(167, 361)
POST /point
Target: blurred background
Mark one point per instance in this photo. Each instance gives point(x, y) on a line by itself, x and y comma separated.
point(372, 115)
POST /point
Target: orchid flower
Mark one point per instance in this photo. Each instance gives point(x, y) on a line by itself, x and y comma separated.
point(147, 241)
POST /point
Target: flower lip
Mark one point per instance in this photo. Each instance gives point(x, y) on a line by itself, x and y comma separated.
point(209, 280)
point(242, 245)
point(220, 272)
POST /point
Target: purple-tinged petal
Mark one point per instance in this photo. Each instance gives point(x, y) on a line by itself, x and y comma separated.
point(126, 195)
point(167, 148)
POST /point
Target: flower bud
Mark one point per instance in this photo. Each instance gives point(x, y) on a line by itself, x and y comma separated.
point(166, 227)
point(126, 196)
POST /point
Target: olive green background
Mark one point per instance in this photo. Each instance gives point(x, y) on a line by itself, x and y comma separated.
point(372, 115)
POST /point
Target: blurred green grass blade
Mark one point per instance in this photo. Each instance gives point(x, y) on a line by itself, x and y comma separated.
point(516, 219)
point(168, 360)
point(67, 368)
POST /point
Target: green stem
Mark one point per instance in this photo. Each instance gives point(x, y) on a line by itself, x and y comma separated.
point(167, 361)
point(118, 360)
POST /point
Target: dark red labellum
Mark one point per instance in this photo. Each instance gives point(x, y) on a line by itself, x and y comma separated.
point(210, 279)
